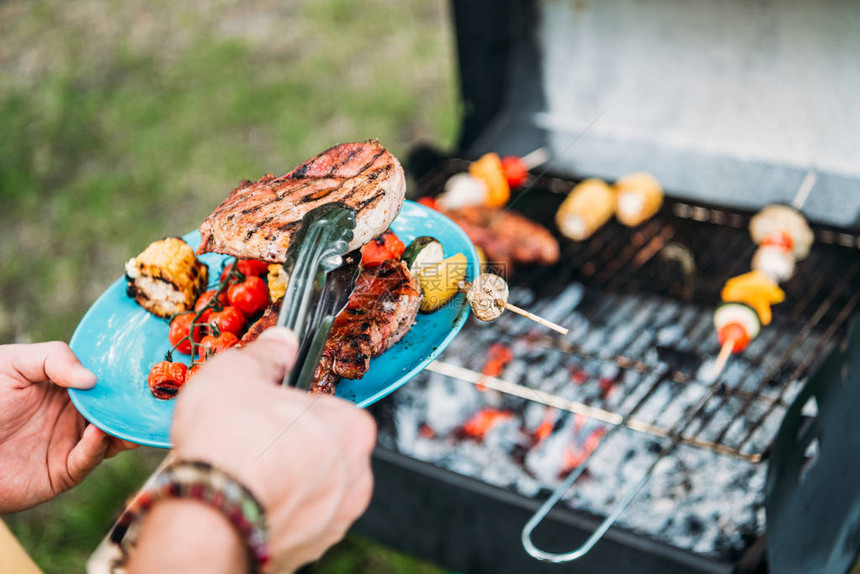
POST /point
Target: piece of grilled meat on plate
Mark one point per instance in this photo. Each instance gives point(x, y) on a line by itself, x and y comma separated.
point(258, 220)
point(380, 311)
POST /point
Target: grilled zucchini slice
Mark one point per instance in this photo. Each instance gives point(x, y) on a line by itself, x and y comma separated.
point(422, 252)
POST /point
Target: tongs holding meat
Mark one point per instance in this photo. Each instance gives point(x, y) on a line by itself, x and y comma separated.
point(309, 219)
point(322, 275)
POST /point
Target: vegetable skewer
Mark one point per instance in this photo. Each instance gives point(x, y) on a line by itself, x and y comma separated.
point(783, 236)
point(533, 317)
point(489, 180)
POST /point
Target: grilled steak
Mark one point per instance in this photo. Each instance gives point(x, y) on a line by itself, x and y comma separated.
point(258, 220)
point(379, 313)
point(506, 237)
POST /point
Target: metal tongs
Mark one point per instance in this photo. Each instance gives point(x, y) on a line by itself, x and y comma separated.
point(322, 273)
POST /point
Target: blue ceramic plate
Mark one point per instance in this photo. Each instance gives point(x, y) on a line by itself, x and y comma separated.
point(120, 342)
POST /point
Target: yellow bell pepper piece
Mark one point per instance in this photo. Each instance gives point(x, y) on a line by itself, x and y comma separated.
point(482, 257)
point(489, 170)
point(441, 282)
point(756, 290)
point(757, 281)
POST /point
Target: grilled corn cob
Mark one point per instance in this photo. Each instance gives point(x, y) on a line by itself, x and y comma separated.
point(166, 278)
point(277, 278)
point(589, 205)
point(639, 198)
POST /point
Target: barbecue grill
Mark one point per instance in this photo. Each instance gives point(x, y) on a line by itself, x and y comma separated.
point(645, 462)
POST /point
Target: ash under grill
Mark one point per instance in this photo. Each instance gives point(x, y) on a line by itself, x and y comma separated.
point(625, 398)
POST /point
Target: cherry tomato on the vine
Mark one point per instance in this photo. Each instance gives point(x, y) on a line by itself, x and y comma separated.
point(251, 267)
point(250, 296)
point(211, 344)
point(229, 269)
point(192, 370)
point(179, 329)
point(228, 320)
point(166, 378)
point(205, 300)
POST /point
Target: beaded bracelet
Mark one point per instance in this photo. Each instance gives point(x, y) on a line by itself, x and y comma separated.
point(198, 480)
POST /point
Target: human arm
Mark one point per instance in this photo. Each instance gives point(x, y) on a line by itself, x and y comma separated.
point(46, 446)
point(305, 457)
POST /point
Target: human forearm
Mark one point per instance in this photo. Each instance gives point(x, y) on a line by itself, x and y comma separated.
point(188, 536)
point(304, 461)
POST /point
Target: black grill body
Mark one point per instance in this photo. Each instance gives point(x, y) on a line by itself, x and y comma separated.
point(507, 76)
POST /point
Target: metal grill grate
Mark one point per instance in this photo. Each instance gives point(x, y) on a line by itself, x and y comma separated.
point(635, 291)
point(619, 261)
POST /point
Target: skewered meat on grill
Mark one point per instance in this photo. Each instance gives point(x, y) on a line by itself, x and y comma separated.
point(379, 313)
point(259, 220)
point(506, 237)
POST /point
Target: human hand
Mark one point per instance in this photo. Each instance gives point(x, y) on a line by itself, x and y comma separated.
point(46, 446)
point(306, 457)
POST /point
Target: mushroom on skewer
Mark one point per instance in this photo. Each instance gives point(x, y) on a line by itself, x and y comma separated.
point(488, 298)
point(783, 235)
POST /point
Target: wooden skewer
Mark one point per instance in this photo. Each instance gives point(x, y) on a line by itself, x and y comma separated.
point(533, 317)
point(799, 199)
point(803, 192)
point(535, 158)
point(488, 298)
point(723, 357)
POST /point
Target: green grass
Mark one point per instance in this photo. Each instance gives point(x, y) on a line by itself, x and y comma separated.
point(61, 534)
point(121, 123)
point(359, 554)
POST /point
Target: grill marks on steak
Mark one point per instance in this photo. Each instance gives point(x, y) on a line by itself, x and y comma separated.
point(379, 313)
point(259, 219)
